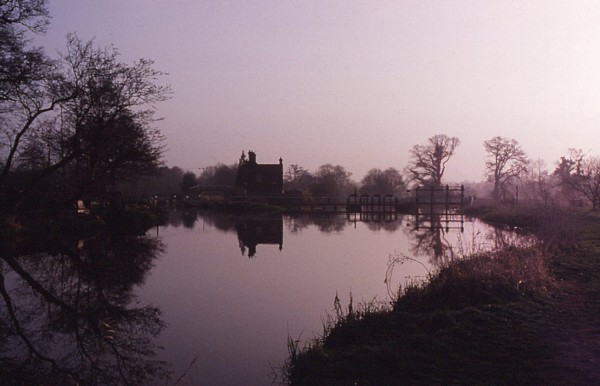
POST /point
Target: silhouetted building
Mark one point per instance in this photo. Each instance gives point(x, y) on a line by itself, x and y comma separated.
point(259, 180)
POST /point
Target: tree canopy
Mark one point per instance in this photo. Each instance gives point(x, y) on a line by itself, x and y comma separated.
point(388, 181)
point(580, 176)
point(84, 115)
point(505, 161)
point(427, 163)
point(331, 181)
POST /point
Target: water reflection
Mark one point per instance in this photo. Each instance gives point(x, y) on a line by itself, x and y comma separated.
point(246, 226)
point(69, 313)
point(427, 231)
point(234, 314)
point(428, 234)
point(259, 230)
point(69, 316)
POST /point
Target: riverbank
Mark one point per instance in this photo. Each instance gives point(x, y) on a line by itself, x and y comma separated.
point(524, 316)
point(34, 232)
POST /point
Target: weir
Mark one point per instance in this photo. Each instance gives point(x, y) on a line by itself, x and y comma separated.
point(423, 200)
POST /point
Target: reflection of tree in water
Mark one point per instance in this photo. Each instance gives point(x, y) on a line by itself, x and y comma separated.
point(67, 316)
point(330, 224)
point(327, 223)
point(188, 217)
point(388, 226)
point(295, 223)
point(429, 238)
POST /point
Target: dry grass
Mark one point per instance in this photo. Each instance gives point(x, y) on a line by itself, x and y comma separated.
point(518, 315)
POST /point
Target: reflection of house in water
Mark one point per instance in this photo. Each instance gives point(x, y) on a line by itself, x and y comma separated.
point(263, 230)
point(259, 180)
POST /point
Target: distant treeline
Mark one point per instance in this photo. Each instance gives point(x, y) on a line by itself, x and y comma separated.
point(510, 176)
point(327, 181)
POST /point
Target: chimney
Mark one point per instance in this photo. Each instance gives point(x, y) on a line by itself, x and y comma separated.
point(252, 157)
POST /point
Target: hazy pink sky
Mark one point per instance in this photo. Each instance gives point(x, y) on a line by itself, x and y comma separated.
point(357, 83)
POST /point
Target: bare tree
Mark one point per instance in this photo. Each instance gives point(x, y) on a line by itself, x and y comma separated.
point(581, 176)
point(27, 77)
point(31, 14)
point(536, 184)
point(587, 182)
point(104, 132)
point(505, 161)
point(427, 162)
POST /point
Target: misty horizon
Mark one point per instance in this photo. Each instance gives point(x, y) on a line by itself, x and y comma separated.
point(356, 84)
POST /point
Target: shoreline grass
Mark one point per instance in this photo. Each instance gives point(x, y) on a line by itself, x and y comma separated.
point(490, 318)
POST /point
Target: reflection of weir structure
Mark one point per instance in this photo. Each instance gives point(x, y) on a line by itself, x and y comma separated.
point(445, 220)
point(433, 197)
point(263, 230)
point(372, 216)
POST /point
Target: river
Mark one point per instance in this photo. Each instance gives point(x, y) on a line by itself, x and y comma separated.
point(206, 299)
point(233, 289)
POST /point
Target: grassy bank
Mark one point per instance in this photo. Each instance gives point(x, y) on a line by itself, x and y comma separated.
point(518, 316)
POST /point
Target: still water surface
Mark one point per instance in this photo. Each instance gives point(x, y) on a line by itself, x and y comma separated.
point(232, 289)
point(220, 294)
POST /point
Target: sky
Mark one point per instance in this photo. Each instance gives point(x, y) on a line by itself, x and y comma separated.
point(357, 83)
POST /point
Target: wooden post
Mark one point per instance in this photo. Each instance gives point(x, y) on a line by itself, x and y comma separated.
point(417, 196)
point(431, 199)
point(447, 198)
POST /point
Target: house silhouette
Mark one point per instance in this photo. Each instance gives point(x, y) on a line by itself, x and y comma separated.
point(265, 180)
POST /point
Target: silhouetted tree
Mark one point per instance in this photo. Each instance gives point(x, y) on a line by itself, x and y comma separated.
point(536, 184)
point(21, 66)
point(427, 162)
point(581, 174)
point(505, 161)
point(165, 182)
point(296, 177)
point(107, 128)
point(32, 14)
point(331, 181)
point(218, 175)
point(27, 78)
point(568, 165)
point(378, 181)
point(103, 130)
point(188, 181)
